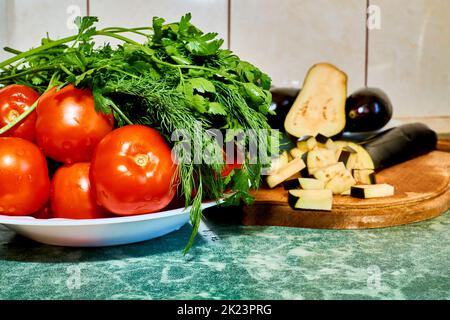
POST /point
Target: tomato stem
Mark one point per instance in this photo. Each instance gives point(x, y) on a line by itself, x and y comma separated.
point(120, 113)
point(111, 34)
point(19, 118)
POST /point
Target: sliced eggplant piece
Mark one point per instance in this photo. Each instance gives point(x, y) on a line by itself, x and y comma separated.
point(290, 184)
point(401, 144)
point(359, 158)
point(328, 173)
point(304, 138)
point(372, 191)
point(320, 158)
point(296, 153)
point(304, 172)
point(311, 199)
point(320, 106)
point(307, 144)
point(279, 162)
point(320, 138)
point(330, 145)
point(286, 172)
point(311, 184)
point(364, 176)
point(340, 182)
point(344, 156)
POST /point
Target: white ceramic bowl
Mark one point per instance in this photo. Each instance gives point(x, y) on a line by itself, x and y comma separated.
point(99, 232)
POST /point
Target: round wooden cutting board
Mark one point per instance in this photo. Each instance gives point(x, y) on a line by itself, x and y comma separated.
point(422, 191)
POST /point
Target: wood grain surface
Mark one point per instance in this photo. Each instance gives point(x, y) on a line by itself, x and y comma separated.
point(422, 191)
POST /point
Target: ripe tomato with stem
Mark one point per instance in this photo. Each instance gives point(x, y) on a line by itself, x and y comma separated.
point(14, 100)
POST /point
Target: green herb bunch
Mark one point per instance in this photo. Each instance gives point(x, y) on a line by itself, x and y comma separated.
point(177, 78)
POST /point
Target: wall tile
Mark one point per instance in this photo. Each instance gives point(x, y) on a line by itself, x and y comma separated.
point(27, 21)
point(410, 55)
point(208, 15)
point(286, 37)
point(3, 25)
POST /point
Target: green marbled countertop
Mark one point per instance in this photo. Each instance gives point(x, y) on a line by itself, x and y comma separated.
point(230, 261)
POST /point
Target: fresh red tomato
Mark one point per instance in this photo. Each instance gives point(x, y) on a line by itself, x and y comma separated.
point(229, 167)
point(132, 171)
point(68, 128)
point(14, 100)
point(24, 182)
point(43, 213)
point(71, 195)
point(237, 163)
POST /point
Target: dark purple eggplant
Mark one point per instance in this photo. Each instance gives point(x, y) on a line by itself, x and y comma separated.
point(401, 144)
point(282, 100)
point(367, 109)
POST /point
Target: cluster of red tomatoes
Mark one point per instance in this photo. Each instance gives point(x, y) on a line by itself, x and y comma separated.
point(103, 171)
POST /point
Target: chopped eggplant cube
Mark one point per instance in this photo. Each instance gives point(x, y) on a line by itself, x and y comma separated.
point(311, 143)
point(296, 153)
point(360, 159)
point(341, 182)
point(285, 172)
point(304, 172)
point(349, 149)
point(279, 162)
point(330, 145)
point(311, 199)
point(372, 191)
point(304, 138)
point(364, 176)
point(311, 184)
point(291, 184)
point(320, 138)
point(344, 156)
point(307, 145)
point(328, 173)
point(320, 158)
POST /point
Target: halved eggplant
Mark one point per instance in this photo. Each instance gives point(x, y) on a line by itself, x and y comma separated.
point(320, 106)
point(401, 144)
point(311, 199)
point(286, 172)
point(372, 191)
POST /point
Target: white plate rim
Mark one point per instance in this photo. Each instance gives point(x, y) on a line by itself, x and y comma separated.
point(32, 221)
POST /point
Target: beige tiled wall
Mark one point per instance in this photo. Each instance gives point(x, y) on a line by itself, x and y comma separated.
point(409, 56)
point(286, 37)
point(210, 15)
point(25, 22)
